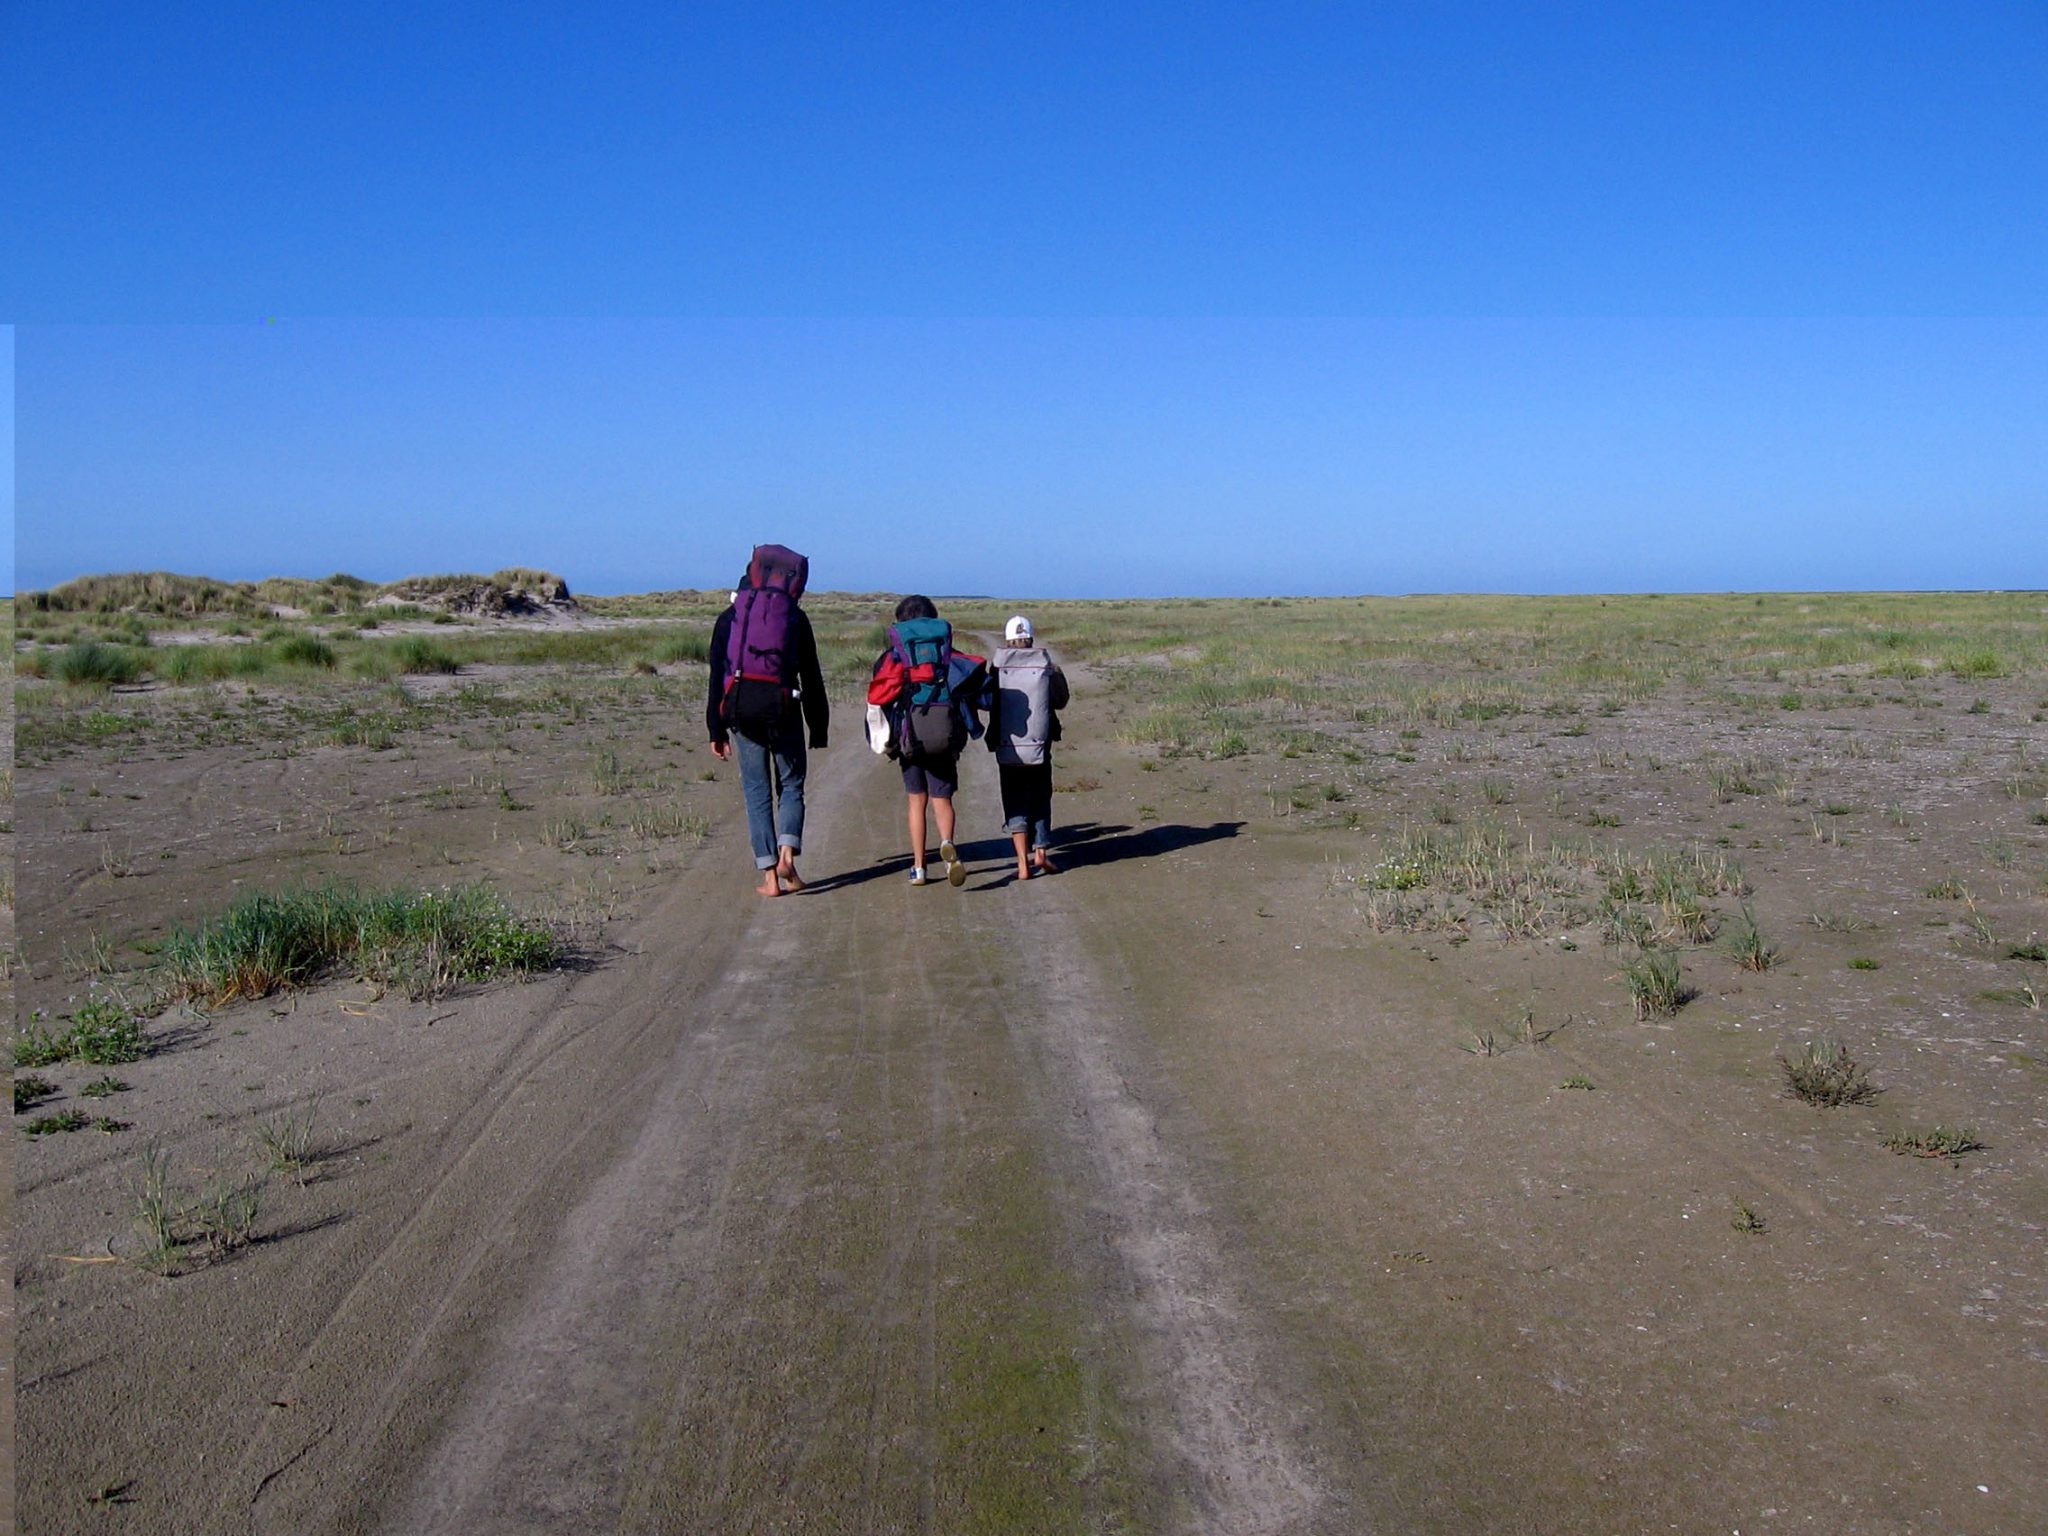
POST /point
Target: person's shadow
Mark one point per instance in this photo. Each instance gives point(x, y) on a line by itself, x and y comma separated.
point(1090, 842)
point(1093, 842)
point(1074, 847)
point(894, 864)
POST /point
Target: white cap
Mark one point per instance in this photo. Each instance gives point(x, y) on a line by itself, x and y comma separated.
point(1017, 631)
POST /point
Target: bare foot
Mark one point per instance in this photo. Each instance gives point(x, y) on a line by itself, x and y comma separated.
point(1023, 872)
point(768, 885)
point(791, 880)
point(1042, 861)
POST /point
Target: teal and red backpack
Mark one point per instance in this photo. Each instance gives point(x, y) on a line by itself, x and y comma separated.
point(928, 724)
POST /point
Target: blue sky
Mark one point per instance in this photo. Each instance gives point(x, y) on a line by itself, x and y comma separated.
point(1034, 299)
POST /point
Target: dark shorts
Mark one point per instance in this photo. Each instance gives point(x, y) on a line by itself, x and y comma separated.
point(934, 776)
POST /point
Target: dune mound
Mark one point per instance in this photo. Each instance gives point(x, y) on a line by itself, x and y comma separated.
point(510, 594)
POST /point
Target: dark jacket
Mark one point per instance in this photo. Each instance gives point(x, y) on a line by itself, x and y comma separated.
point(810, 679)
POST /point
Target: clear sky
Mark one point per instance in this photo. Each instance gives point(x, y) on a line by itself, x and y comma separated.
point(1310, 297)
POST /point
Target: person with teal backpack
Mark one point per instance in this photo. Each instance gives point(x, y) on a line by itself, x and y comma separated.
point(928, 691)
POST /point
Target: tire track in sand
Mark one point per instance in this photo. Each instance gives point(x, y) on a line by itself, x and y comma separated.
point(599, 1384)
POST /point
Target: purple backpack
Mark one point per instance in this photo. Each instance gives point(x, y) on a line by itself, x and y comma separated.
point(760, 674)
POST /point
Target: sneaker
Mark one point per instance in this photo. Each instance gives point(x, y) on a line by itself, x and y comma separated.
point(917, 875)
point(956, 871)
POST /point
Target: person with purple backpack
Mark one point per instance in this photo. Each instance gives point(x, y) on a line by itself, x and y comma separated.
point(766, 688)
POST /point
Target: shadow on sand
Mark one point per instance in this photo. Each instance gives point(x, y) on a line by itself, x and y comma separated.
point(1093, 842)
point(1075, 847)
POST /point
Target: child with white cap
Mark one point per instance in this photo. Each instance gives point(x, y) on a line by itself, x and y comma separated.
point(1025, 688)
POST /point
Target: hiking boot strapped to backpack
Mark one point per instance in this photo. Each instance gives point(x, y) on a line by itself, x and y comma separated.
point(760, 674)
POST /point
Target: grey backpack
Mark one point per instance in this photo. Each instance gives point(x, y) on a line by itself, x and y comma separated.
point(1022, 726)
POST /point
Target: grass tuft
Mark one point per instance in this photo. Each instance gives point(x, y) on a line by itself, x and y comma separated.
point(1654, 984)
point(89, 664)
point(1747, 943)
point(1825, 1074)
point(417, 654)
point(426, 942)
point(1936, 1141)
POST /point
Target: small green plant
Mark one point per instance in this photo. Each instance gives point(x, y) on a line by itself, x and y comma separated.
point(156, 1211)
point(286, 1142)
point(1840, 922)
point(39, 1046)
point(2031, 951)
point(1398, 873)
point(226, 1212)
point(563, 832)
point(1826, 1075)
point(1747, 1218)
point(1946, 890)
point(1578, 1080)
point(1746, 942)
point(1937, 1141)
point(610, 772)
point(1654, 984)
point(63, 1120)
point(105, 1034)
point(29, 1090)
point(654, 821)
point(102, 1087)
point(1864, 963)
point(102, 1032)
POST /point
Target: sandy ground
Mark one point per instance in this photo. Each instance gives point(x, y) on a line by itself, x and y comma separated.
point(1162, 1195)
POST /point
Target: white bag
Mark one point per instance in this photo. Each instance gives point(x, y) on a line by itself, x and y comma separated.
point(878, 730)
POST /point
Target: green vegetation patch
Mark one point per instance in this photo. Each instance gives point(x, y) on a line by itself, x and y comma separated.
point(90, 664)
point(30, 1090)
point(1935, 1141)
point(1528, 889)
point(423, 942)
point(101, 1032)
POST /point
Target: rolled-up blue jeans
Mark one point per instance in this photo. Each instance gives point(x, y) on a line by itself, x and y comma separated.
point(765, 770)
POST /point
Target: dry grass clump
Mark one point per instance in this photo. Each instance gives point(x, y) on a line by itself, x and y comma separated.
point(1825, 1074)
point(1527, 889)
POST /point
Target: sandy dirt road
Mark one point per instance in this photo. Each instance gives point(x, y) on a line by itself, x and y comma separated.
point(891, 1178)
point(846, 1212)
